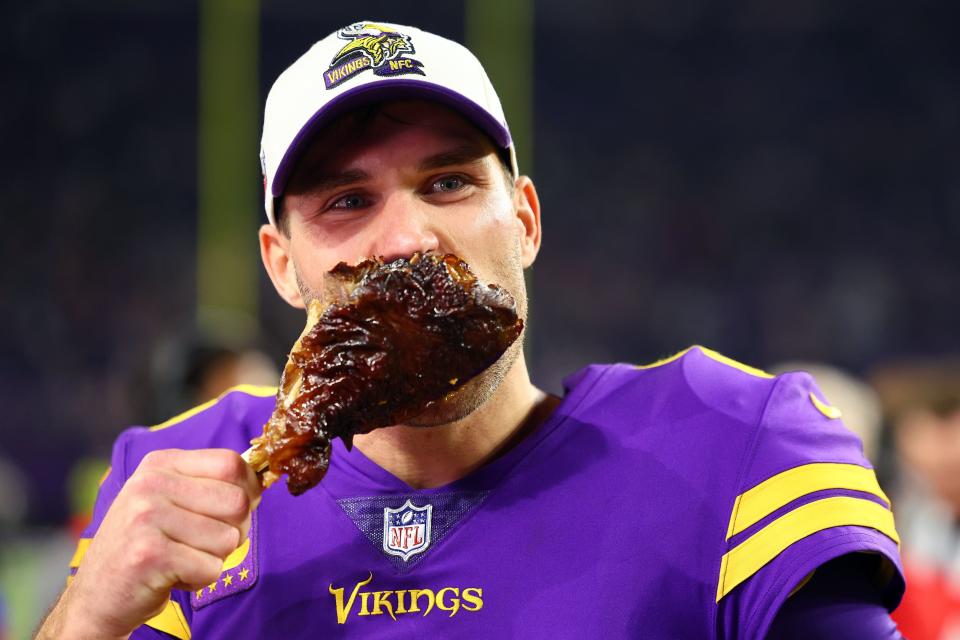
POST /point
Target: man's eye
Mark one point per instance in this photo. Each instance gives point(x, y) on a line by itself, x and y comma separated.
point(352, 201)
point(448, 183)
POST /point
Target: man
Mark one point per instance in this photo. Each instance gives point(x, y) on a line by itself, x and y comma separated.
point(688, 499)
point(921, 400)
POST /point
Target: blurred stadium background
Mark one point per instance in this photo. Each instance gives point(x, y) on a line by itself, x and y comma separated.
point(777, 181)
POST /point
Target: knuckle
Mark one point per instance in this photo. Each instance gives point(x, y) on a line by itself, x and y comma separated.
point(233, 466)
point(218, 464)
point(135, 484)
point(145, 554)
point(227, 466)
point(237, 503)
point(154, 459)
point(147, 481)
point(149, 460)
point(143, 513)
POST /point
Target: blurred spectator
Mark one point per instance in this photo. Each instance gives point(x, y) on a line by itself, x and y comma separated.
point(922, 402)
point(860, 404)
point(183, 374)
point(186, 373)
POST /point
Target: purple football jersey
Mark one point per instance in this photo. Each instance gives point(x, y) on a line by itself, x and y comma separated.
point(685, 499)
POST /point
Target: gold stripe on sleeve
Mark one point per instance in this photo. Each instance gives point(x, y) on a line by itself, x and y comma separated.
point(171, 621)
point(774, 492)
point(82, 545)
point(249, 389)
point(752, 554)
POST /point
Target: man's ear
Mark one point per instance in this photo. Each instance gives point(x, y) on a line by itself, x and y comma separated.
point(527, 206)
point(278, 261)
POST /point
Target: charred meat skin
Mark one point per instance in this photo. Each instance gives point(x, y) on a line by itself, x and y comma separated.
point(390, 340)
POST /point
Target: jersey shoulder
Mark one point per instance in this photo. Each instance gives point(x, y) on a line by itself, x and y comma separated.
point(785, 483)
point(778, 421)
point(228, 421)
point(692, 415)
point(715, 381)
point(694, 390)
point(803, 491)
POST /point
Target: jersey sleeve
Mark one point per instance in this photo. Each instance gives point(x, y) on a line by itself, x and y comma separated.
point(110, 486)
point(227, 421)
point(805, 495)
point(836, 603)
point(172, 622)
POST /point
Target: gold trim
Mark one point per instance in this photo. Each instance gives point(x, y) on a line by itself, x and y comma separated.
point(713, 355)
point(249, 389)
point(82, 545)
point(663, 361)
point(236, 556)
point(755, 504)
point(752, 554)
point(739, 366)
point(831, 412)
point(171, 620)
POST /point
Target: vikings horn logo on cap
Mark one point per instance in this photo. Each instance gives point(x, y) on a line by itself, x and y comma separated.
point(371, 46)
point(299, 105)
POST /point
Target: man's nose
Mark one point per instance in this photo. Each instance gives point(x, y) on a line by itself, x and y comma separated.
point(405, 227)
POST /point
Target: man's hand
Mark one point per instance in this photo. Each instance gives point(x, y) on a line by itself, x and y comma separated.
point(171, 526)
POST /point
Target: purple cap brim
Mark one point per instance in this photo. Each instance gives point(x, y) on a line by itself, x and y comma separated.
point(398, 89)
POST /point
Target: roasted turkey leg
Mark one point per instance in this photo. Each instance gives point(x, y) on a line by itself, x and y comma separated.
point(387, 341)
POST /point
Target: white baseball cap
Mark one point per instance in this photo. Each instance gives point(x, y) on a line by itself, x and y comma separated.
point(364, 63)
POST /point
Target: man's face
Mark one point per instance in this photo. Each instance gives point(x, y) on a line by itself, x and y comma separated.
point(414, 176)
point(930, 444)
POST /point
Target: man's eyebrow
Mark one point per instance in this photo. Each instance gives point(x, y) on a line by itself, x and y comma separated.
point(320, 181)
point(464, 154)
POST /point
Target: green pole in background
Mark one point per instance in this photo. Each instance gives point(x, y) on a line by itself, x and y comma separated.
point(227, 263)
point(500, 32)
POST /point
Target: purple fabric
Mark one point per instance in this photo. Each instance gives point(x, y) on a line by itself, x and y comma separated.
point(839, 602)
point(387, 89)
point(608, 521)
point(750, 609)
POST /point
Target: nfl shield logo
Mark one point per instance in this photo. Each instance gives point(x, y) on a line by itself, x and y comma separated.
point(406, 530)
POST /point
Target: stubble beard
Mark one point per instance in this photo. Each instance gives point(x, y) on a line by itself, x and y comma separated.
point(507, 272)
